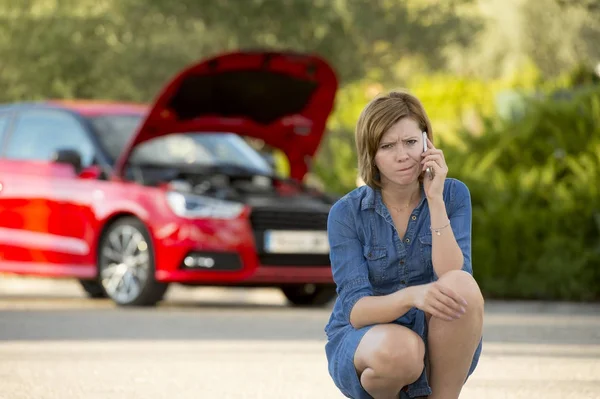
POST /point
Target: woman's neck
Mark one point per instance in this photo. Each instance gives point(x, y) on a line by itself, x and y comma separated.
point(401, 197)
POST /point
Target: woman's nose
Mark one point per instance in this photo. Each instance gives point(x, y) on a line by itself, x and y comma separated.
point(401, 154)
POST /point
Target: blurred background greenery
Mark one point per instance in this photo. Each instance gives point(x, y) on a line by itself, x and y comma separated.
point(511, 86)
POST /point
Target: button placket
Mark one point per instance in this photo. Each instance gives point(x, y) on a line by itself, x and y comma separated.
point(411, 228)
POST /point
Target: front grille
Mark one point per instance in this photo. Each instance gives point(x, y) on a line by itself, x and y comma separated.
point(289, 220)
point(270, 219)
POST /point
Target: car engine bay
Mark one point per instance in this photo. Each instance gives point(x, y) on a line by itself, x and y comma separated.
point(226, 182)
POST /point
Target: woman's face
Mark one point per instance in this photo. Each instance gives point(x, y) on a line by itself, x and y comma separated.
point(398, 156)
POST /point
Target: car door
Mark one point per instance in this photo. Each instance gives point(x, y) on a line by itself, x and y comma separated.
point(33, 228)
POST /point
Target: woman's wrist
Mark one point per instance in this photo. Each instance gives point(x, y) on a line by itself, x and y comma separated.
point(436, 202)
point(437, 214)
point(406, 299)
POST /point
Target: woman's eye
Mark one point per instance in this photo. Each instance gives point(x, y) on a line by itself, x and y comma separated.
point(386, 146)
point(412, 142)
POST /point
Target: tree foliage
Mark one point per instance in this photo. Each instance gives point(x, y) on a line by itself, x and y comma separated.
point(553, 35)
point(536, 200)
point(126, 49)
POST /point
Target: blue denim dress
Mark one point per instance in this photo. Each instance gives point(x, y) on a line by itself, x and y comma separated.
point(369, 258)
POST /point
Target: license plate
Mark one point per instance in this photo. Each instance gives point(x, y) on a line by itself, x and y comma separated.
point(296, 242)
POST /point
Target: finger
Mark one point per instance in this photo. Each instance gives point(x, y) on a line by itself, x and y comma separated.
point(444, 310)
point(449, 292)
point(435, 157)
point(429, 172)
point(433, 165)
point(430, 144)
point(449, 302)
point(429, 164)
point(438, 313)
point(432, 151)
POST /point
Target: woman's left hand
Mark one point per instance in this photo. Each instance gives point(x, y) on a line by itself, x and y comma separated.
point(434, 159)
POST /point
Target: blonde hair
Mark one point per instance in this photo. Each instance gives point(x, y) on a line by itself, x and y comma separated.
point(377, 118)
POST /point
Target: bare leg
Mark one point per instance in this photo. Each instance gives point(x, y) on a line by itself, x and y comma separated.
point(388, 358)
point(452, 344)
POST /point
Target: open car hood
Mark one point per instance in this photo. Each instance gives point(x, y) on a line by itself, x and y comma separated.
point(281, 98)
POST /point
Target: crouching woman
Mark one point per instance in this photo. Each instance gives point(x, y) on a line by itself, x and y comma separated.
point(408, 318)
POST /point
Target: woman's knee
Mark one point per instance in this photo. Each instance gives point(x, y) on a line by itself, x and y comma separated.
point(393, 352)
point(465, 285)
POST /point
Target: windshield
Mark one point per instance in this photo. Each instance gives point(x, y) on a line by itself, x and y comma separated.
point(209, 149)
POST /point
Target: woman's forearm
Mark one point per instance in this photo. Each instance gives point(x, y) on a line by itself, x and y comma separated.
point(445, 252)
point(381, 309)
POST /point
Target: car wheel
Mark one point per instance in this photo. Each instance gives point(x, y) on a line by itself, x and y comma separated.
point(309, 294)
point(126, 264)
point(93, 289)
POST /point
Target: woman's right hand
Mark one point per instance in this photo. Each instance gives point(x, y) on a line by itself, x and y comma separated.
point(439, 300)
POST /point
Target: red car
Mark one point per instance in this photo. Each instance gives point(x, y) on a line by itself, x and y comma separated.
point(128, 198)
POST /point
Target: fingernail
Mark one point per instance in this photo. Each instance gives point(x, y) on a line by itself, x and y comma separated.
point(463, 310)
point(464, 302)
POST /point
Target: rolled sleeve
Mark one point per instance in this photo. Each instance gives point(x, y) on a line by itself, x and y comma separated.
point(461, 222)
point(349, 268)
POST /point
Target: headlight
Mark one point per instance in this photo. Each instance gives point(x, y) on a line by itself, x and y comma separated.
point(195, 206)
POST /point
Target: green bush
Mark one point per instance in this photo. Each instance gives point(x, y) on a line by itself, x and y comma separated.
point(534, 183)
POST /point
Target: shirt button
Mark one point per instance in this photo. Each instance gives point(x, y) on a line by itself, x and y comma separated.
point(403, 282)
point(401, 262)
point(414, 217)
point(407, 240)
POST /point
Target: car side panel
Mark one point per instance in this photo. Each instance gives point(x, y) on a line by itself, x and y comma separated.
point(31, 239)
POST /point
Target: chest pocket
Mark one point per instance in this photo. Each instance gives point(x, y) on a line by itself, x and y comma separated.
point(377, 261)
point(425, 254)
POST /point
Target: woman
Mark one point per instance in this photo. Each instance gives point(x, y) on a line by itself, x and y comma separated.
point(408, 318)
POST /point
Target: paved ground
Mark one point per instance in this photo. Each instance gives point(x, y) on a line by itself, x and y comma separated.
point(216, 343)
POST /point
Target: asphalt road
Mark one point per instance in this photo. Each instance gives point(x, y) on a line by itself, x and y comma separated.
point(235, 343)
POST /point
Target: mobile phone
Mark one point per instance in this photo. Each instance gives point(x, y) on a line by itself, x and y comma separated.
point(428, 171)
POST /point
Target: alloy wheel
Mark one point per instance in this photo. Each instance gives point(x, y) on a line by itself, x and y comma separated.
point(125, 263)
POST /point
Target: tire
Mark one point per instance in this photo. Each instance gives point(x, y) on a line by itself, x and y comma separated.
point(309, 295)
point(93, 289)
point(126, 265)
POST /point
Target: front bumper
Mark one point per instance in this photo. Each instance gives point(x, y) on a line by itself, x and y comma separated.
point(230, 252)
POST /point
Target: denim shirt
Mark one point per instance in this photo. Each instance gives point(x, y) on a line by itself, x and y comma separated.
point(368, 257)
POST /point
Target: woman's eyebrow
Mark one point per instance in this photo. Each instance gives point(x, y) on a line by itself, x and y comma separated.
point(387, 141)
